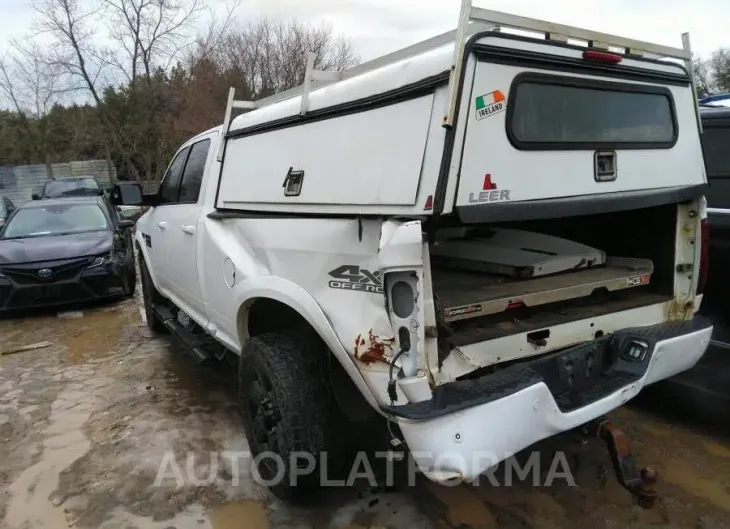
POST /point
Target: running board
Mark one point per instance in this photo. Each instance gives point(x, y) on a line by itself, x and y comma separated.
point(192, 344)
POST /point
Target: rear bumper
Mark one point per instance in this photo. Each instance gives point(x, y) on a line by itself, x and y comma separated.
point(465, 430)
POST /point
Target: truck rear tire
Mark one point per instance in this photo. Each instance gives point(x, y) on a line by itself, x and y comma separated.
point(287, 410)
point(150, 296)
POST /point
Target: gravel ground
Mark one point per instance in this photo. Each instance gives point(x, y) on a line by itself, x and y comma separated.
point(87, 422)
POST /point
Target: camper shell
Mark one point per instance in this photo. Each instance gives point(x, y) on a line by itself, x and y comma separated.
point(349, 138)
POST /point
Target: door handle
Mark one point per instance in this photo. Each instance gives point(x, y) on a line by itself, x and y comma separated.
point(162, 225)
point(190, 230)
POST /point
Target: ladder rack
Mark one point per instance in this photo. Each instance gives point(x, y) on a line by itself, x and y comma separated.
point(471, 20)
point(550, 31)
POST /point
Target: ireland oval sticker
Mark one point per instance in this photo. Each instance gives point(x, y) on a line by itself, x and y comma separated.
point(490, 104)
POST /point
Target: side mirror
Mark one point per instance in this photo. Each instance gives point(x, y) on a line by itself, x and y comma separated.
point(126, 194)
point(126, 224)
point(35, 196)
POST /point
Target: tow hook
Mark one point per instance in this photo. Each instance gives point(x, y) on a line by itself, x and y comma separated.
point(640, 483)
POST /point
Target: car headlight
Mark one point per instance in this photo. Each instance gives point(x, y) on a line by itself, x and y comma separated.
point(101, 260)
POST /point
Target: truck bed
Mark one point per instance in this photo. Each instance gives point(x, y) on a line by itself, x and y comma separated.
point(464, 295)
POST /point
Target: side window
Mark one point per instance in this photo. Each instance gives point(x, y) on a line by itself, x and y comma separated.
point(194, 169)
point(170, 186)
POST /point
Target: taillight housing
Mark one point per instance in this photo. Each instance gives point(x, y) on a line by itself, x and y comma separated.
point(704, 255)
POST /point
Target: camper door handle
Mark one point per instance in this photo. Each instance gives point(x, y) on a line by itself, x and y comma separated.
point(162, 225)
point(190, 230)
point(293, 183)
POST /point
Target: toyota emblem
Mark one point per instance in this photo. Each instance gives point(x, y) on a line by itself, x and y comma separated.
point(45, 273)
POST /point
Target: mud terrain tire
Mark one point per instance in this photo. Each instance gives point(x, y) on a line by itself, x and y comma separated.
point(287, 407)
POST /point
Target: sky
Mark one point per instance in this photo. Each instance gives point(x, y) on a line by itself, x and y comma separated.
point(380, 26)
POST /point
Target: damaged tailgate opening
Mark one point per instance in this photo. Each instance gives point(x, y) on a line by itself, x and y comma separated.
point(598, 264)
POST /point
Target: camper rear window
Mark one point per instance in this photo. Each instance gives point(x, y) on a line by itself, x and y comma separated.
point(556, 112)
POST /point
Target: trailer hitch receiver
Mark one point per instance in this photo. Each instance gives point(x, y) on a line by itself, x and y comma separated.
point(640, 483)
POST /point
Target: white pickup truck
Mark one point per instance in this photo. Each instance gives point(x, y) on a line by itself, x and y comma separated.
point(489, 238)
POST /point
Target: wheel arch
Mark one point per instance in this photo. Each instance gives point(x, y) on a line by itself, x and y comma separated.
point(143, 254)
point(291, 299)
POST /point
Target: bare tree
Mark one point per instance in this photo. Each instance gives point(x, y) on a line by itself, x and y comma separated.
point(28, 81)
point(720, 64)
point(272, 56)
point(32, 87)
point(72, 25)
point(703, 78)
point(208, 42)
point(151, 33)
point(73, 48)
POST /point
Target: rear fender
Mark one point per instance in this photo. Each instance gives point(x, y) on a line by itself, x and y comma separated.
point(294, 296)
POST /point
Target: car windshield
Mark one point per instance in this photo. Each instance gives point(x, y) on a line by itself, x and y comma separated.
point(57, 219)
point(71, 187)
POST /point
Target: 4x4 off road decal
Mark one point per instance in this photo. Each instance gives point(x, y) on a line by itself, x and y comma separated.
point(490, 104)
point(352, 277)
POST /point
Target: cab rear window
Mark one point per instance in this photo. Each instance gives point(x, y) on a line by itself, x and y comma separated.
point(557, 112)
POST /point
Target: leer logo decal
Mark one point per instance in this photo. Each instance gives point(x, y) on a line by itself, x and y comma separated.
point(490, 104)
point(490, 192)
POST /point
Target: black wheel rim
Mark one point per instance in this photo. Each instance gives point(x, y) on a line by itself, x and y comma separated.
point(264, 418)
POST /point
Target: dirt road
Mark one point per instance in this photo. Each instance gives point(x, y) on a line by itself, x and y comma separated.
point(86, 423)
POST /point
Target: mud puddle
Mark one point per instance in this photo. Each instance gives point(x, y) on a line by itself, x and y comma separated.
point(231, 515)
point(88, 335)
point(35, 493)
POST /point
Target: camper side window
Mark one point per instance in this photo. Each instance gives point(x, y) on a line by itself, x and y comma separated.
point(170, 187)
